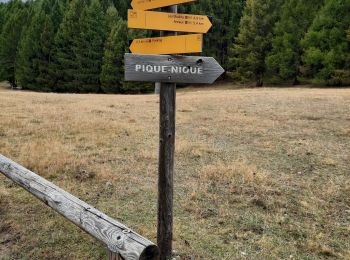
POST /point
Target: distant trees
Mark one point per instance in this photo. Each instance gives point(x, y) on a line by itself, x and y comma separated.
point(61, 45)
point(348, 56)
point(113, 65)
point(88, 48)
point(326, 44)
point(79, 45)
point(2, 14)
point(301, 40)
point(64, 63)
point(9, 39)
point(284, 60)
point(36, 46)
point(254, 40)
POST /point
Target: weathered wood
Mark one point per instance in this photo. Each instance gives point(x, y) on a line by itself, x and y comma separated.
point(171, 68)
point(166, 169)
point(116, 236)
point(157, 88)
point(166, 162)
point(114, 256)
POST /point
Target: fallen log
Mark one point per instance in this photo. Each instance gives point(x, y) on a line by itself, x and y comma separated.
point(116, 236)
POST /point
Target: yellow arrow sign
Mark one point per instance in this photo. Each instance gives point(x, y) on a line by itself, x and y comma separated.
point(191, 43)
point(168, 21)
point(152, 4)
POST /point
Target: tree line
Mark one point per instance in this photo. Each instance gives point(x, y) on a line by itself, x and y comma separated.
point(78, 45)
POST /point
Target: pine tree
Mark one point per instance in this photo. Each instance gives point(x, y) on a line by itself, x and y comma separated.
point(9, 40)
point(43, 79)
point(112, 17)
point(55, 10)
point(326, 45)
point(254, 39)
point(64, 64)
point(28, 47)
point(2, 15)
point(36, 47)
point(284, 60)
point(88, 48)
point(10, 8)
point(105, 4)
point(347, 61)
point(112, 74)
point(122, 7)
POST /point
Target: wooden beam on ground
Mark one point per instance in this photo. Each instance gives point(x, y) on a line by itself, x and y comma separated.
point(113, 256)
point(117, 237)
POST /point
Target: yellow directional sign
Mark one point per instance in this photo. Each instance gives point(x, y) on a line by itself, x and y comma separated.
point(191, 43)
point(153, 4)
point(168, 21)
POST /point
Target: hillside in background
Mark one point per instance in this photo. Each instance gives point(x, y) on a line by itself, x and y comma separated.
point(78, 45)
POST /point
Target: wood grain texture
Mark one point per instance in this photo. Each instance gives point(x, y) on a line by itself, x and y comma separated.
point(209, 67)
point(117, 237)
point(166, 169)
point(167, 107)
point(114, 256)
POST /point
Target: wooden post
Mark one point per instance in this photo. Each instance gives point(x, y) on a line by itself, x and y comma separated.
point(166, 161)
point(157, 88)
point(114, 256)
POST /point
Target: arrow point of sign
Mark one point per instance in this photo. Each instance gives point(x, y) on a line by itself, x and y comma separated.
point(132, 47)
point(216, 67)
point(209, 24)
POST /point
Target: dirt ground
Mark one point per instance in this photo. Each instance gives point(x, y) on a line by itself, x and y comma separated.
point(260, 173)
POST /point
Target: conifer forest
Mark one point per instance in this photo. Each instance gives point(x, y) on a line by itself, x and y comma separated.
point(78, 46)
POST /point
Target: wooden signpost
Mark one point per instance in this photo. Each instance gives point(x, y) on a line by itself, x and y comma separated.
point(167, 70)
point(138, 19)
point(189, 43)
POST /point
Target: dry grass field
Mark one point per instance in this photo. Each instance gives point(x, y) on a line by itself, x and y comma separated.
point(260, 173)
